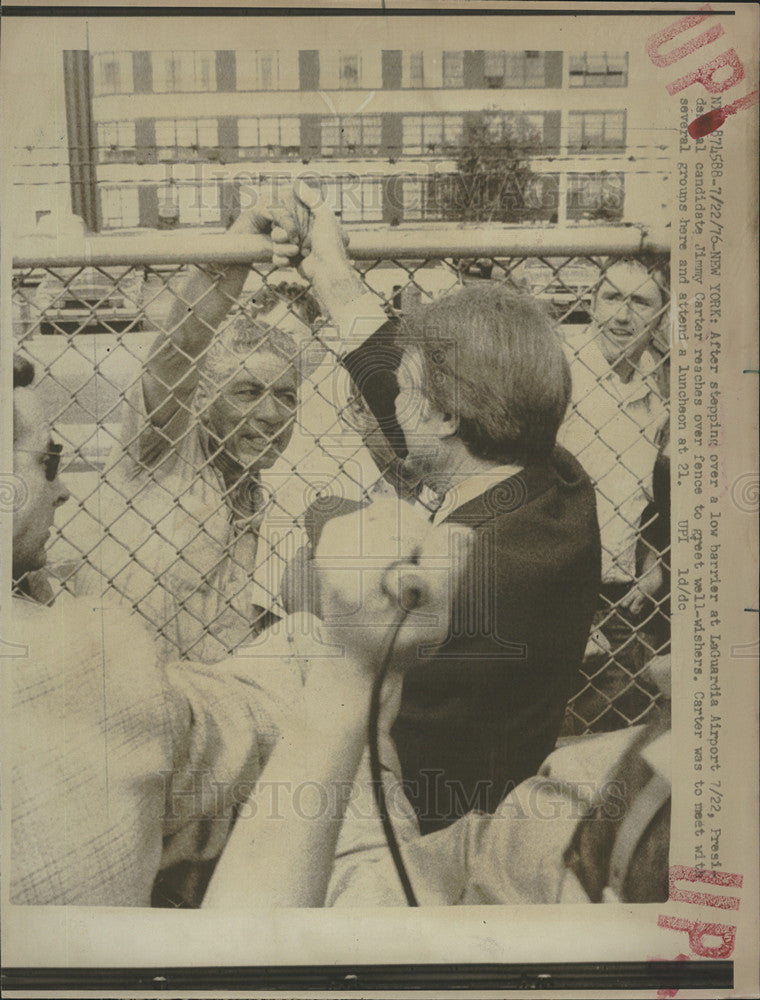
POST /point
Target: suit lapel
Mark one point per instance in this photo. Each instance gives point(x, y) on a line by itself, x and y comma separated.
point(506, 497)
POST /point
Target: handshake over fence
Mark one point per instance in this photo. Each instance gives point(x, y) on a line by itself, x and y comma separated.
point(90, 319)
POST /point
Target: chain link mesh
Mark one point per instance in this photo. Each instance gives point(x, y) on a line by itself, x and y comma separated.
point(200, 550)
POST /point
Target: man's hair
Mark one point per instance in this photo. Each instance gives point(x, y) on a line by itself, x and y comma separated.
point(657, 265)
point(305, 305)
point(492, 359)
point(240, 338)
point(23, 372)
point(23, 376)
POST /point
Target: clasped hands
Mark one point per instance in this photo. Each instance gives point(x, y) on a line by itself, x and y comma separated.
point(305, 233)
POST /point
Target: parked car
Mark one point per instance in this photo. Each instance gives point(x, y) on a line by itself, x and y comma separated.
point(567, 286)
point(90, 300)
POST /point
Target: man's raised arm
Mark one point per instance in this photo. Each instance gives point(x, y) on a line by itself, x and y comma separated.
point(200, 304)
point(370, 352)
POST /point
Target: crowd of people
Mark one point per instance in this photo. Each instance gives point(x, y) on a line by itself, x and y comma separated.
point(518, 533)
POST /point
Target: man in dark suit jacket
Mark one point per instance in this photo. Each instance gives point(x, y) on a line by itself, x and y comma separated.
point(480, 388)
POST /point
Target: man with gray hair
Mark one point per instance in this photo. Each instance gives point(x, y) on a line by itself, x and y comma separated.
point(183, 502)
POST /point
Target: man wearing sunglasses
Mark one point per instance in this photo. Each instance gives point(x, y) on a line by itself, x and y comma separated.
point(38, 489)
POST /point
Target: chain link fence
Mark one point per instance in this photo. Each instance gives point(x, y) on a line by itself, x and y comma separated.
point(203, 551)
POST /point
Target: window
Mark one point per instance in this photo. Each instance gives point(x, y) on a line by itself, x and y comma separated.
point(119, 207)
point(177, 72)
point(423, 134)
point(515, 69)
point(361, 199)
point(349, 70)
point(187, 139)
point(453, 69)
point(421, 198)
point(416, 70)
point(595, 130)
point(600, 69)
point(595, 196)
point(258, 70)
point(412, 70)
point(358, 135)
point(112, 73)
point(330, 136)
point(494, 69)
point(413, 199)
point(271, 136)
point(116, 142)
point(198, 204)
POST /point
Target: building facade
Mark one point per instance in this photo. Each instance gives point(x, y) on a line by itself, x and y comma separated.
point(181, 137)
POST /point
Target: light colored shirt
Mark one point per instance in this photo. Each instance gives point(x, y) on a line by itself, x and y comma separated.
point(612, 431)
point(120, 767)
point(513, 856)
point(175, 549)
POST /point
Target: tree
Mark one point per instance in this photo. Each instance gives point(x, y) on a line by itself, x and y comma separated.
point(494, 181)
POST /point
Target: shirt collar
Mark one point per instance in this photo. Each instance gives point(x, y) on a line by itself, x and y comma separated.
point(473, 487)
point(639, 386)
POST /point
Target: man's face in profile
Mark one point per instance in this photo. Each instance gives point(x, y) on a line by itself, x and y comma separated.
point(419, 420)
point(35, 465)
point(627, 308)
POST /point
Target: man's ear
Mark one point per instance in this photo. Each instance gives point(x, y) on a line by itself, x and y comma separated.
point(447, 425)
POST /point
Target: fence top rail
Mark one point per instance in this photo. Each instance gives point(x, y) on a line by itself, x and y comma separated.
point(178, 247)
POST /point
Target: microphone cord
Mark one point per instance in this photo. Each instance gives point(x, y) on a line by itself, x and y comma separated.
point(374, 756)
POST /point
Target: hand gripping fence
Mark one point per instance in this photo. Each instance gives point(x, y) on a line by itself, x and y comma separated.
point(203, 557)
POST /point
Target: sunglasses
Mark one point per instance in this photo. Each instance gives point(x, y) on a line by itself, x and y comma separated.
point(52, 461)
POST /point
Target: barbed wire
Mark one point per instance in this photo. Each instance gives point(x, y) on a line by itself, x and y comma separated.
point(80, 146)
point(126, 182)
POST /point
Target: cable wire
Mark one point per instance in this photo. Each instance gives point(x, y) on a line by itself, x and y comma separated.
point(374, 757)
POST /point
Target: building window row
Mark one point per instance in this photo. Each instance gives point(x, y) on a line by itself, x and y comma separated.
point(263, 70)
point(402, 198)
point(390, 135)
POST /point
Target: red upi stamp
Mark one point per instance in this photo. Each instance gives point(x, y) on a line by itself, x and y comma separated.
point(709, 75)
point(707, 939)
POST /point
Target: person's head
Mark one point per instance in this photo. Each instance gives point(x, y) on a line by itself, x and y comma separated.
point(360, 418)
point(620, 849)
point(629, 306)
point(35, 466)
point(248, 391)
point(357, 415)
point(303, 309)
point(482, 372)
